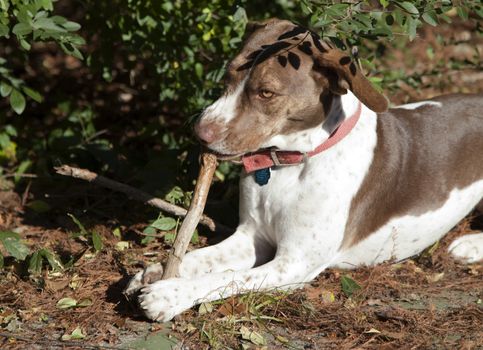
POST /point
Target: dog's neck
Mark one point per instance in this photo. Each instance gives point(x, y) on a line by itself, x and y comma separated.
point(307, 140)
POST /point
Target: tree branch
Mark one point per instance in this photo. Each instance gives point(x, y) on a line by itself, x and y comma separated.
point(138, 195)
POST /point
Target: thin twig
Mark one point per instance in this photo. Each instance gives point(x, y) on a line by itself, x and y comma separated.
point(136, 194)
point(25, 194)
point(30, 176)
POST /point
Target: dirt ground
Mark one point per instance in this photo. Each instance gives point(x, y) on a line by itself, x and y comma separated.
point(428, 302)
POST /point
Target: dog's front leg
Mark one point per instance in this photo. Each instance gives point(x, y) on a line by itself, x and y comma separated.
point(242, 250)
point(164, 299)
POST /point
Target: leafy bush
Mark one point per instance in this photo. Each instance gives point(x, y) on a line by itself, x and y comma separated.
point(188, 43)
point(185, 43)
point(177, 49)
point(31, 21)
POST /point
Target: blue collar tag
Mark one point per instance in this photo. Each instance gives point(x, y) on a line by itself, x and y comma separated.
point(262, 176)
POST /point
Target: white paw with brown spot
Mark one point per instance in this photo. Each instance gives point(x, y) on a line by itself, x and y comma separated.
point(150, 274)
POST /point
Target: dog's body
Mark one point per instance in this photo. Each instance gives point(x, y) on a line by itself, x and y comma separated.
point(396, 183)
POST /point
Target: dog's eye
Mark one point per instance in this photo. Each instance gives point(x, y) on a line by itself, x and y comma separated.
point(265, 94)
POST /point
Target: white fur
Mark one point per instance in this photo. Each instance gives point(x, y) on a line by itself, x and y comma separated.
point(468, 248)
point(406, 236)
point(302, 211)
point(223, 110)
point(302, 141)
point(416, 105)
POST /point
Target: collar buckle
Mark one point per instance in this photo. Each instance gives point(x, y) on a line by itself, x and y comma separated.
point(273, 155)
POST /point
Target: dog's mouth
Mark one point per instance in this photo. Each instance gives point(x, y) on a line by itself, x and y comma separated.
point(227, 156)
point(237, 157)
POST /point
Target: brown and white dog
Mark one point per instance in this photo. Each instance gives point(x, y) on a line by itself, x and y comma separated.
point(365, 184)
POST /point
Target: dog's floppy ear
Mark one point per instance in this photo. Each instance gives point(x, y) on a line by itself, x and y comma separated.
point(253, 26)
point(348, 71)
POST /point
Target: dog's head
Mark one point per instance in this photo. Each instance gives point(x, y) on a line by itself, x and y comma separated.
point(283, 81)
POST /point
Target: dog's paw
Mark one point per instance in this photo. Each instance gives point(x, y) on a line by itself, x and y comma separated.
point(149, 275)
point(468, 248)
point(162, 300)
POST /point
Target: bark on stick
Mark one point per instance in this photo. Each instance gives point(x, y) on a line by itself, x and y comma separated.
point(195, 211)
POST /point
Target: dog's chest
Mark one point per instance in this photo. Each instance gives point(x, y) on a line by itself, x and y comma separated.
point(315, 196)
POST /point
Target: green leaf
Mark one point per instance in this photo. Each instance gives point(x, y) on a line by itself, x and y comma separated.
point(306, 10)
point(81, 227)
point(384, 3)
point(4, 30)
point(21, 29)
point(117, 232)
point(430, 18)
point(71, 26)
point(76, 53)
point(39, 206)
point(17, 101)
point(462, 12)
point(52, 259)
point(10, 130)
point(41, 14)
point(2, 262)
point(255, 337)
point(46, 4)
point(58, 19)
point(205, 308)
point(13, 245)
point(199, 70)
point(48, 24)
point(122, 245)
point(5, 89)
point(71, 50)
point(412, 25)
point(164, 224)
point(409, 7)
point(22, 168)
point(84, 302)
point(16, 248)
point(97, 241)
point(195, 239)
point(35, 263)
point(35, 95)
point(175, 195)
point(76, 334)
point(25, 44)
point(169, 237)
point(151, 235)
point(349, 286)
point(66, 303)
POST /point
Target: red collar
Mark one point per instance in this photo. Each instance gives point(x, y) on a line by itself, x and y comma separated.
point(268, 158)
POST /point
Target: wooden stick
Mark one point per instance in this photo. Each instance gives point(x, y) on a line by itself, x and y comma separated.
point(195, 211)
point(136, 194)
